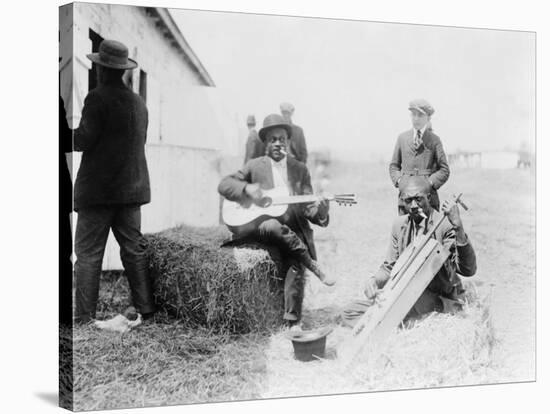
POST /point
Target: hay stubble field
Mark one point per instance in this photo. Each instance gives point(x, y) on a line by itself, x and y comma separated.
point(492, 341)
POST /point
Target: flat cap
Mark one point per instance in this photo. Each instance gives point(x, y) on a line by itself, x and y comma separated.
point(286, 107)
point(421, 105)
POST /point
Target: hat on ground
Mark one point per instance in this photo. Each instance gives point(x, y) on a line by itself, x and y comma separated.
point(286, 107)
point(112, 54)
point(250, 120)
point(309, 345)
point(274, 121)
point(421, 105)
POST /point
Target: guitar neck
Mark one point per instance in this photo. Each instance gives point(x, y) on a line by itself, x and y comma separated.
point(296, 199)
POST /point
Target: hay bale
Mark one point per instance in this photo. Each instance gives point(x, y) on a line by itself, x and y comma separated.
point(235, 289)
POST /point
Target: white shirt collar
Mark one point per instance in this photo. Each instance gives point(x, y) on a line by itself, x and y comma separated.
point(421, 130)
point(281, 163)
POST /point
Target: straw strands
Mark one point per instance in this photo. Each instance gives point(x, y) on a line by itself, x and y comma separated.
point(233, 289)
point(439, 350)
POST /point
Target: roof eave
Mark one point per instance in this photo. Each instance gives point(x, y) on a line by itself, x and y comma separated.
point(171, 31)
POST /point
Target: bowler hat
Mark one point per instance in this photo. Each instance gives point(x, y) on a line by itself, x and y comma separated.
point(274, 121)
point(421, 105)
point(112, 54)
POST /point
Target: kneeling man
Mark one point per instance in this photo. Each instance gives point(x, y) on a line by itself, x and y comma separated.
point(291, 232)
point(446, 287)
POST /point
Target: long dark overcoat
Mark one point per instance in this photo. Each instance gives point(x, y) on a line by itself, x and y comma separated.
point(111, 136)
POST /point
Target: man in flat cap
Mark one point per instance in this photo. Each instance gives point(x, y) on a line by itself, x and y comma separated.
point(298, 148)
point(419, 151)
point(445, 291)
point(254, 146)
point(291, 233)
point(112, 182)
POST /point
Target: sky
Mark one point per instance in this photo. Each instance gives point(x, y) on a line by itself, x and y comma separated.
point(351, 81)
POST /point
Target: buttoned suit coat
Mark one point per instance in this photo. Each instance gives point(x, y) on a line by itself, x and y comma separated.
point(254, 146)
point(430, 160)
point(462, 259)
point(298, 147)
point(298, 216)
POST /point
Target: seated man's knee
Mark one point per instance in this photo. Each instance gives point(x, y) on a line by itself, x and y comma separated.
point(273, 228)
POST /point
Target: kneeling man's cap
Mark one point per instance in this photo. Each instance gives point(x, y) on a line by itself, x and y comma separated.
point(274, 121)
point(421, 105)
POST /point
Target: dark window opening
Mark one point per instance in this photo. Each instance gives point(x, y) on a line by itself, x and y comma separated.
point(143, 85)
point(92, 73)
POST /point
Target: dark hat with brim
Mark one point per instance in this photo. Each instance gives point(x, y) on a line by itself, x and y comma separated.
point(113, 54)
point(309, 345)
point(274, 121)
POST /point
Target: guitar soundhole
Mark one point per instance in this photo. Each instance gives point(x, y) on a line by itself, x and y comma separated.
point(265, 202)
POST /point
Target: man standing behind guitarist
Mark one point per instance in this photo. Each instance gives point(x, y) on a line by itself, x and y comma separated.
point(445, 291)
point(291, 233)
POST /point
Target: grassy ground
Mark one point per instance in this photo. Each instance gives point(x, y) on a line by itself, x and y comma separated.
point(492, 341)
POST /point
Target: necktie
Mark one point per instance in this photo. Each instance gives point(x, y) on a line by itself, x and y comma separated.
point(417, 140)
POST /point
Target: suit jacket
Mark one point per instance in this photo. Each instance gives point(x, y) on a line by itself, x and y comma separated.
point(259, 171)
point(298, 148)
point(111, 136)
point(254, 146)
point(429, 160)
point(462, 259)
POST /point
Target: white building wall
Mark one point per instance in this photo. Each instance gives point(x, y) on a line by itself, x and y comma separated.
point(185, 136)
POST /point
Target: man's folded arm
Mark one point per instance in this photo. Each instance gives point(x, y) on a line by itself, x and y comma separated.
point(232, 186)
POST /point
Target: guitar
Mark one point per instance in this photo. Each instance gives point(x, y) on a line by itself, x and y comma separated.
point(242, 217)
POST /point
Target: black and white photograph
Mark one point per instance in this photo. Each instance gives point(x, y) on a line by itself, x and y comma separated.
point(260, 206)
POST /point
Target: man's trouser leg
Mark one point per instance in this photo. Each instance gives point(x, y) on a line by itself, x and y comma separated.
point(92, 229)
point(294, 292)
point(355, 310)
point(133, 253)
point(272, 231)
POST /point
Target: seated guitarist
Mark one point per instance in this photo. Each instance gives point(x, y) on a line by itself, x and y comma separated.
point(291, 233)
point(445, 291)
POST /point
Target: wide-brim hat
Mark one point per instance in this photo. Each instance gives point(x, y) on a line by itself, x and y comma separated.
point(421, 105)
point(274, 121)
point(112, 54)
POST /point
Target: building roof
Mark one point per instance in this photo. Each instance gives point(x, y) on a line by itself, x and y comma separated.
point(166, 24)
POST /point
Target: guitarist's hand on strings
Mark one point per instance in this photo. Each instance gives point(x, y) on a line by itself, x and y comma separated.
point(253, 191)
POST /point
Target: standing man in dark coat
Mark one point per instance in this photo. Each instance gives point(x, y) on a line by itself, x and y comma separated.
point(112, 182)
point(254, 146)
point(298, 148)
point(291, 232)
point(419, 151)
